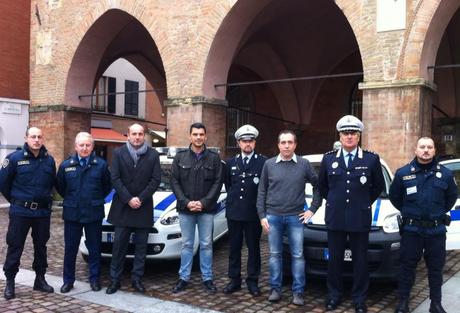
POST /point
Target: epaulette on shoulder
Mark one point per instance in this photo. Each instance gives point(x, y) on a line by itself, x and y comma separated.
point(330, 152)
point(369, 151)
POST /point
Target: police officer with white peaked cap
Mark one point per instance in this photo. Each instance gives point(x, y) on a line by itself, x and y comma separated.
point(350, 179)
point(242, 174)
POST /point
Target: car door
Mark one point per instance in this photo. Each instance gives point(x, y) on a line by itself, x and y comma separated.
point(453, 231)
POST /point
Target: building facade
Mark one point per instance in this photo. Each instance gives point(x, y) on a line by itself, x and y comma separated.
point(276, 64)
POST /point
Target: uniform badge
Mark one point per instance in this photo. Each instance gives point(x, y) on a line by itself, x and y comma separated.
point(438, 174)
point(335, 165)
point(5, 163)
point(233, 167)
point(363, 179)
point(23, 162)
point(70, 169)
point(256, 180)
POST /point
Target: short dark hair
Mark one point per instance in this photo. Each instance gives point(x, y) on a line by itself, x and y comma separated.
point(285, 132)
point(197, 125)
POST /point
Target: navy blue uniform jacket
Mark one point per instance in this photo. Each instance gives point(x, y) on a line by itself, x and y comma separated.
point(423, 195)
point(241, 184)
point(83, 188)
point(25, 177)
point(350, 192)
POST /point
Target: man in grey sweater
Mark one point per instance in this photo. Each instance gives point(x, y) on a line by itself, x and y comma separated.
point(281, 208)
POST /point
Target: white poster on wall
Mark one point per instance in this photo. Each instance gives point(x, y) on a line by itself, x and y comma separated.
point(391, 15)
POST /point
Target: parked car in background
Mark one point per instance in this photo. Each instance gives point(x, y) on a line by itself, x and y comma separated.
point(164, 241)
point(453, 231)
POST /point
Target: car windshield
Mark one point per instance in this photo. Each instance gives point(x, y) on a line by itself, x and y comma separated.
point(455, 168)
point(165, 176)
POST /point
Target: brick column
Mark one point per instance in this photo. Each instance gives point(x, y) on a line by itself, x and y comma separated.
point(395, 115)
point(182, 112)
point(60, 124)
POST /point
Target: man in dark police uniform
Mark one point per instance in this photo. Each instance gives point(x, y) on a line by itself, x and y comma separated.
point(424, 191)
point(242, 175)
point(27, 178)
point(350, 179)
point(83, 180)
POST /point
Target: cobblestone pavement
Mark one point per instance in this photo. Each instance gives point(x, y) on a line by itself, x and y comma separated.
point(160, 277)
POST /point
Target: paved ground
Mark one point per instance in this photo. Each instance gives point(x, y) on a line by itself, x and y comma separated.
point(160, 278)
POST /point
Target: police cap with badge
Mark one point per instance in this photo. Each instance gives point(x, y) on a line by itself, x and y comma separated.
point(246, 132)
point(350, 123)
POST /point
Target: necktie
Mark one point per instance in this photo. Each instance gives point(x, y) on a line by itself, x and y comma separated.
point(83, 162)
point(245, 161)
point(350, 158)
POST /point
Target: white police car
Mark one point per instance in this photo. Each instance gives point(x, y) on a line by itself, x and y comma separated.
point(384, 238)
point(164, 241)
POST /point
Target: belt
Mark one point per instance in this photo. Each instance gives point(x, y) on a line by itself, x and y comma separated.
point(424, 223)
point(40, 205)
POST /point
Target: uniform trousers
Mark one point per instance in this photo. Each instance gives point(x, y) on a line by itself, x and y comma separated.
point(251, 232)
point(359, 242)
point(433, 249)
point(18, 229)
point(120, 248)
point(72, 236)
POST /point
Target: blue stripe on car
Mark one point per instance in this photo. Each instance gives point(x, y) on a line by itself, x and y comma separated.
point(455, 215)
point(376, 212)
point(165, 203)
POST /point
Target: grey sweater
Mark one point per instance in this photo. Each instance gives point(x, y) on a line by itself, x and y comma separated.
point(282, 187)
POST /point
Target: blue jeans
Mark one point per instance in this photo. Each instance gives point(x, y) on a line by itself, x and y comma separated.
point(293, 228)
point(188, 223)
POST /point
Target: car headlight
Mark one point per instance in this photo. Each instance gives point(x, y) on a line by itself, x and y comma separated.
point(390, 223)
point(170, 218)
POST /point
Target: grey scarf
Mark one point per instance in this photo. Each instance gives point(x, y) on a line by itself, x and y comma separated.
point(136, 153)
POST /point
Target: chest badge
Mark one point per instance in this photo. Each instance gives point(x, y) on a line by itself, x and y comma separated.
point(438, 174)
point(256, 180)
point(363, 179)
point(335, 165)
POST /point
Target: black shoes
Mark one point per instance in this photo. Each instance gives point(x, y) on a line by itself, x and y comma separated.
point(137, 285)
point(40, 284)
point(114, 286)
point(180, 286)
point(66, 287)
point(9, 289)
point(403, 306)
point(436, 307)
point(232, 286)
point(332, 304)
point(209, 287)
point(360, 308)
point(95, 285)
point(254, 290)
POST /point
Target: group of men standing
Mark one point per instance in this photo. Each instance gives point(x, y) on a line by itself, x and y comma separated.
point(262, 195)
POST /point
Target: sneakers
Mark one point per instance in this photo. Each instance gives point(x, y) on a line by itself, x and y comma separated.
point(274, 296)
point(180, 286)
point(209, 286)
point(297, 299)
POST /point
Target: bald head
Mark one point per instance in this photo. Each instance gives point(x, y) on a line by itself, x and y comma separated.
point(136, 135)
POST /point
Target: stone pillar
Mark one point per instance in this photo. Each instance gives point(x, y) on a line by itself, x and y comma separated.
point(395, 115)
point(182, 112)
point(60, 124)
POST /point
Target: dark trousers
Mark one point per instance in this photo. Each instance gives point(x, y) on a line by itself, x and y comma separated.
point(18, 229)
point(251, 231)
point(72, 236)
point(433, 249)
point(359, 242)
point(120, 247)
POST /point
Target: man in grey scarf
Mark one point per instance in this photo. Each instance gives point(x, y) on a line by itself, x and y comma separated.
point(136, 174)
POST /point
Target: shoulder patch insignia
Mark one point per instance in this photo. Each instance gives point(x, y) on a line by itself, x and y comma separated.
point(5, 163)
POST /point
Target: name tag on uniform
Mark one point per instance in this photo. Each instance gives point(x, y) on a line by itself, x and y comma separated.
point(24, 162)
point(70, 169)
point(411, 190)
point(409, 177)
point(233, 167)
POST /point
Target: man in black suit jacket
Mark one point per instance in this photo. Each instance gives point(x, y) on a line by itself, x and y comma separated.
point(136, 174)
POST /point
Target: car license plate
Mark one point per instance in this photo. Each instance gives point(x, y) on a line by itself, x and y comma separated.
point(346, 256)
point(109, 237)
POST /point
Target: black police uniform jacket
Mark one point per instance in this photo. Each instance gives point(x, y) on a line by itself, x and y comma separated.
point(24, 177)
point(350, 192)
point(83, 188)
point(196, 180)
point(129, 181)
point(423, 194)
point(241, 184)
